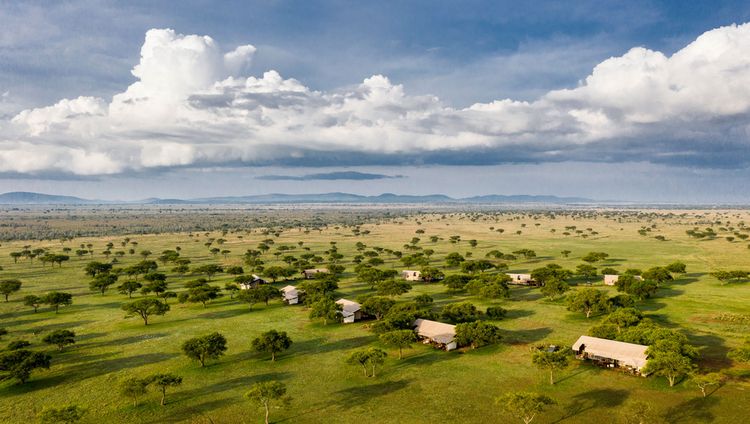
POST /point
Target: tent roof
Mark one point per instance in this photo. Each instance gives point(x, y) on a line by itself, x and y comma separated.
point(630, 354)
point(437, 331)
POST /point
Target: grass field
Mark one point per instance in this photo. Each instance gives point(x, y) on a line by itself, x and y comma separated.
point(428, 385)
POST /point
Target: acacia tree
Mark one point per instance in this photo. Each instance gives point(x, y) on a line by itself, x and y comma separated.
point(549, 357)
point(20, 363)
point(210, 346)
point(554, 288)
point(34, 301)
point(101, 282)
point(671, 365)
point(392, 287)
point(134, 387)
point(129, 287)
point(477, 334)
point(365, 358)
point(272, 342)
point(399, 339)
point(9, 286)
point(267, 392)
point(60, 338)
point(704, 381)
point(327, 309)
point(57, 299)
point(588, 301)
point(145, 308)
point(162, 382)
point(637, 412)
point(377, 306)
point(525, 405)
point(66, 414)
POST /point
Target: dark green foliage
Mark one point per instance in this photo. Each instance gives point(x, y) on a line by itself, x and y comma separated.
point(477, 334)
point(496, 312)
point(210, 346)
point(60, 338)
point(57, 299)
point(19, 364)
point(460, 312)
point(272, 342)
point(145, 308)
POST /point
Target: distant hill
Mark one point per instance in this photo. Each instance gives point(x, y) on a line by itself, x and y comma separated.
point(496, 198)
point(25, 198)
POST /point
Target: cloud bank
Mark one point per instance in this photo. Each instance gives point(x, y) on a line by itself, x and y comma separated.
point(192, 105)
point(343, 175)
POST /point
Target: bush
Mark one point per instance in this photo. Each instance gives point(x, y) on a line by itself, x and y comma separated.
point(496, 312)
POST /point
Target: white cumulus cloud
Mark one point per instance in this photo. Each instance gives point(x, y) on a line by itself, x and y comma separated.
point(194, 104)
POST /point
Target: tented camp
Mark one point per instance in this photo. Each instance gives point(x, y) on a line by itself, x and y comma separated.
point(352, 311)
point(310, 273)
point(436, 333)
point(252, 283)
point(411, 275)
point(611, 353)
point(612, 279)
point(290, 294)
point(521, 279)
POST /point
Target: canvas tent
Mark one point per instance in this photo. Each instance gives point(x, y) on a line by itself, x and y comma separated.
point(437, 333)
point(352, 311)
point(612, 279)
point(612, 353)
point(290, 295)
point(411, 275)
point(253, 283)
point(522, 279)
point(310, 273)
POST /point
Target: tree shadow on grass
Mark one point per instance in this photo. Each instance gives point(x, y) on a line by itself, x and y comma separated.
point(240, 383)
point(359, 395)
point(526, 294)
point(110, 305)
point(593, 399)
point(525, 336)
point(424, 358)
point(713, 355)
point(318, 345)
point(198, 413)
point(15, 322)
point(688, 278)
point(227, 313)
point(58, 326)
point(124, 340)
point(693, 410)
point(666, 291)
point(518, 313)
point(87, 370)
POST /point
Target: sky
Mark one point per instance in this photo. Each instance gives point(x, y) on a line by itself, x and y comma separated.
point(611, 100)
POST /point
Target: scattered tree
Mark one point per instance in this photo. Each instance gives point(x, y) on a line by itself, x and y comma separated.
point(162, 382)
point(525, 405)
point(267, 392)
point(210, 346)
point(400, 339)
point(69, 414)
point(56, 299)
point(272, 342)
point(588, 301)
point(145, 308)
point(7, 287)
point(60, 338)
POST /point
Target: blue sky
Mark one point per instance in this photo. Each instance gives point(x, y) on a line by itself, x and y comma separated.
point(466, 98)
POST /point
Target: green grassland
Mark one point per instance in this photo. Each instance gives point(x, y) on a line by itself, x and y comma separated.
point(426, 386)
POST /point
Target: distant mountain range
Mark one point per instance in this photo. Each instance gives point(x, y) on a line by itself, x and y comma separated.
point(26, 198)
